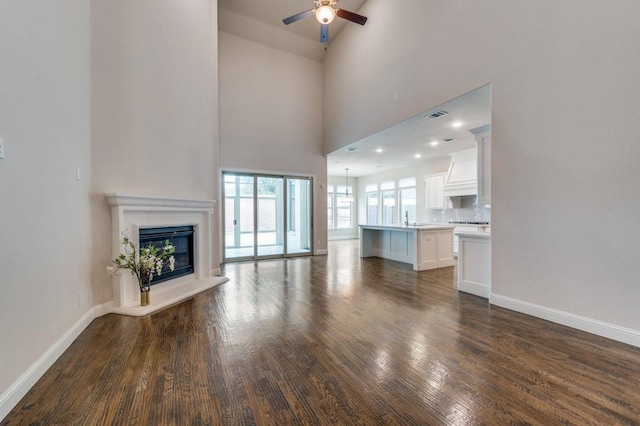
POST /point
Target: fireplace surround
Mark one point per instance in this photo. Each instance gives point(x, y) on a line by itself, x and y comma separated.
point(130, 214)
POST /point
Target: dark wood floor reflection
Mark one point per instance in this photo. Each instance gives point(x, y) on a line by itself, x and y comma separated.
point(336, 340)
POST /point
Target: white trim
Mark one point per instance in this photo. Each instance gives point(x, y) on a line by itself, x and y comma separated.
point(475, 288)
point(599, 328)
point(176, 293)
point(321, 252)
point(129, 213)
point(25, 382)
point(216, 272)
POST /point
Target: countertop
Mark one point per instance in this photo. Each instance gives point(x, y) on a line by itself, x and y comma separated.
point(434, 227)
point(472, 234)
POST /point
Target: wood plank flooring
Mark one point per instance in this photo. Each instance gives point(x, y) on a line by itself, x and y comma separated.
point(335, 340)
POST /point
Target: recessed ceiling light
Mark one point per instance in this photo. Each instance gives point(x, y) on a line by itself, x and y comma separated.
point(417, 156)
point(379, 150)
point(351, 149)
point(456, 124)
point(434, 143)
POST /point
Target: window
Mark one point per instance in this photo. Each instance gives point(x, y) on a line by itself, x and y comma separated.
point(339, 209)
point(330, 196)
point(408, 205)
point(388, 195)
point(372, 208)
point(343, 208)
point(407, 199)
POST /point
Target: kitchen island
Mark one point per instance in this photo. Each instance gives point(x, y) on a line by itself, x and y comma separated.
point(425, 247)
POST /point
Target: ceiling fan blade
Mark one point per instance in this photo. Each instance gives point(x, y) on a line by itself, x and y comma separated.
point(324, 33)
point(298, 16)
point(350, 16)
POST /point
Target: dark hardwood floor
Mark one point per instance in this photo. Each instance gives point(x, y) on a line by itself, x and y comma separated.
point(335, 340)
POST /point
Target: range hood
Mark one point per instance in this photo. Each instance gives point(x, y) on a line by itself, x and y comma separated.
point(462, 177)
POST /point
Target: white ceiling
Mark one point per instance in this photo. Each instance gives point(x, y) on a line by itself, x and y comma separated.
point(401, 142)
point(261, 21)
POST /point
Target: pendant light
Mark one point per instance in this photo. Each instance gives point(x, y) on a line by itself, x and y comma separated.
point(346, 198)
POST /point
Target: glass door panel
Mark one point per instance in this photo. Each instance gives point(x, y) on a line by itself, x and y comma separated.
point(270, 216)
point(298, 215)
point(238, 216)
point(266, 216)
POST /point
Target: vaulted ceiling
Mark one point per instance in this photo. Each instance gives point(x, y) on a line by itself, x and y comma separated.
point(261, 21)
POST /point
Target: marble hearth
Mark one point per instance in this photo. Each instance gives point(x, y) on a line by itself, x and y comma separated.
point(129, 213)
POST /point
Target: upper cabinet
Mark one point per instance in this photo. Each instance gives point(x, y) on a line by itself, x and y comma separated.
point(483, 139)
point(434, 185)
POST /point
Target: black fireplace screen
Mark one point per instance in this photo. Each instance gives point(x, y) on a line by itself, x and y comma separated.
point(182, 239)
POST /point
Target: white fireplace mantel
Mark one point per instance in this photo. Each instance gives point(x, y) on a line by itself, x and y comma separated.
point(129, 213)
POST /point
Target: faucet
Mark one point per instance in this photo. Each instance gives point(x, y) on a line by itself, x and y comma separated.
point(406, 218)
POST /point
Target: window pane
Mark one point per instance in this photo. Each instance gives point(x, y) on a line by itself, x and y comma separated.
point(330, 210)
point(388, 185)
point(406, 182)
point(388, 207)
point(343, 215)
point(408, 204)
point(372, 208)
point(371, 187)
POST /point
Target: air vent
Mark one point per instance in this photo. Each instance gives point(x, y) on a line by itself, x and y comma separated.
point(351, 149)
point(436, 115)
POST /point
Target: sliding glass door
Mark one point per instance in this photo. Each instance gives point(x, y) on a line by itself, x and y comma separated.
point(266, 216)
point(298, 215)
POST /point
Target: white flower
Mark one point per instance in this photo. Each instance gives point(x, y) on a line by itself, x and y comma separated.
point(168, 247)
point(112, 270)
point(172, 262)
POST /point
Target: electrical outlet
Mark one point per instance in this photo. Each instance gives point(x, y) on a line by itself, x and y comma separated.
point(1, 148)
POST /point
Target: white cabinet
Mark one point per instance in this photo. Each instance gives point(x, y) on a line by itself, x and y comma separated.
point(474, 264)
point(434, 185)
point(467, 228)
point(483, 139)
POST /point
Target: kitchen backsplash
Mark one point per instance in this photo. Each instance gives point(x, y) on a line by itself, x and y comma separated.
point(467, 212)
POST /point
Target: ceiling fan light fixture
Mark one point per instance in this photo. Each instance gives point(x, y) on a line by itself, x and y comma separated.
point(325, 14)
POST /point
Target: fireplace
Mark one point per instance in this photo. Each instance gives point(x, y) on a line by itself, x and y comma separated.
point(134, 216)
point(181, 237)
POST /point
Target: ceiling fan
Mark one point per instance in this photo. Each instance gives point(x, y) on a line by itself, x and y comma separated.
point(326, 11)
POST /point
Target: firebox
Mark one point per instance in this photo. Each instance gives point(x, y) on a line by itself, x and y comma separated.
point(182, 239)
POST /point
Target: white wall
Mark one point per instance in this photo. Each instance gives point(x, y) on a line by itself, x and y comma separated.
point(271, 116)
point(45, 221)
point(154, 109)
point(564, 131)
point(124, 92)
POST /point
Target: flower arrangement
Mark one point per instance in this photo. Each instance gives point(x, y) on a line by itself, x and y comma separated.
point(144, 264)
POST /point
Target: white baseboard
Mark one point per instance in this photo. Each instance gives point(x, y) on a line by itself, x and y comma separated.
point(474, 288)
point(216, 272)
point(321, 252)
point(599, 328)
point(20, 387)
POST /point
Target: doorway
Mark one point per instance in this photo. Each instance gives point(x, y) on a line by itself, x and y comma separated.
point(266, 216)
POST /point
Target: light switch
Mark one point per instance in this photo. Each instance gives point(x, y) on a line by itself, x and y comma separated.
point(1, 148)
